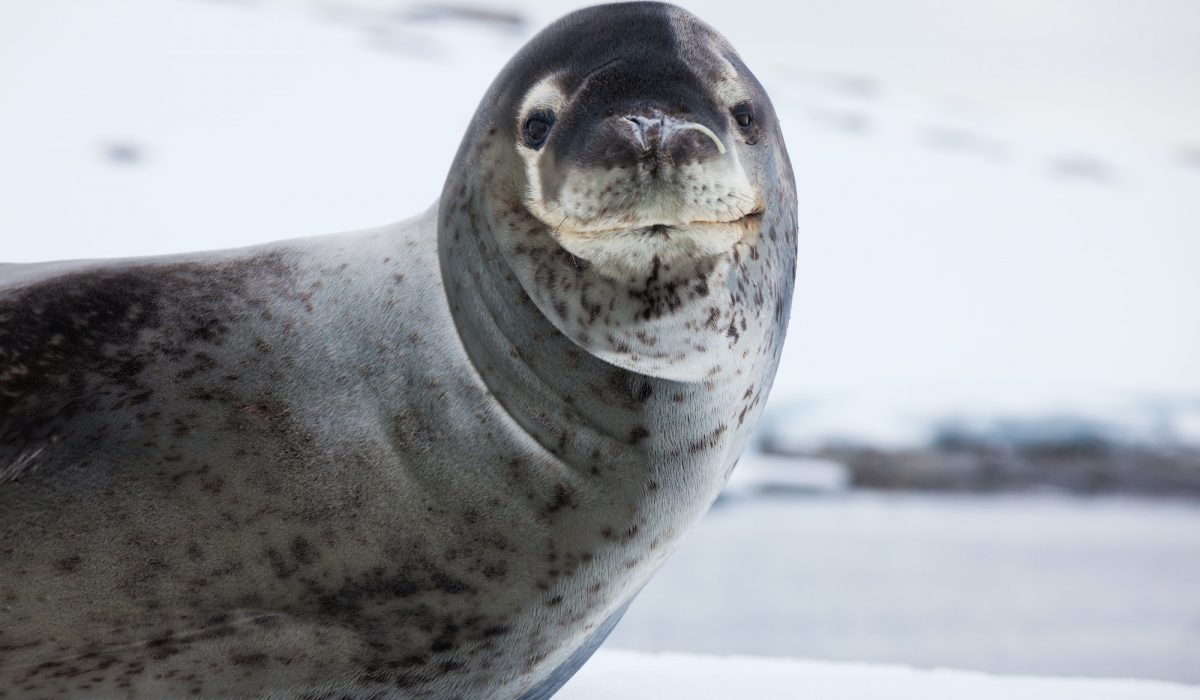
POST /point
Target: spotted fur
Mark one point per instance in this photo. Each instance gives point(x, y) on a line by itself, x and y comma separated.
point(431, 460)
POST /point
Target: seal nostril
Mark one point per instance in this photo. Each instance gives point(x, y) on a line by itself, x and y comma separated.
point(644, 123)
point(648, 131)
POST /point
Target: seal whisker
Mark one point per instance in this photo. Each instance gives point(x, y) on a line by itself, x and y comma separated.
point(704, 130)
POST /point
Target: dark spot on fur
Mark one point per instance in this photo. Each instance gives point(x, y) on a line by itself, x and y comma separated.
point(446, 639)
point(564, 497)
point(302, 551)
point(280, 566)
point(266, 621)
point(256, 659)
point(708, 441)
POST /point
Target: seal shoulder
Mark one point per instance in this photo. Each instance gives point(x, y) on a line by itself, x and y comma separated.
point(91, 348)
point(74, 339)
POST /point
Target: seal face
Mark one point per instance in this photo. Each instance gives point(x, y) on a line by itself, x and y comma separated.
point(436, 459)
point(633, 164)
point(623, 175)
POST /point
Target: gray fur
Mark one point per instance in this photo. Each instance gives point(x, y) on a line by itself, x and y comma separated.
point(386, 464)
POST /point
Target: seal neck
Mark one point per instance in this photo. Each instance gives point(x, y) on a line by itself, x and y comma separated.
point(573, 404)
point(668, 370)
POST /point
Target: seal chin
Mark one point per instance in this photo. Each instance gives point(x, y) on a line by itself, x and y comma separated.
point(639, 249)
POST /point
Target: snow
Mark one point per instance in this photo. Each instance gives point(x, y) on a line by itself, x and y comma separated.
point(1021, 584)
point(798, 423)
point(758, 474)
point(625, 674)
point(250, 125)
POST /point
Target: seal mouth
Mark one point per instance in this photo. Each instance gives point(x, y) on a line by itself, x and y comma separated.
point(747, 222)
point(744, 226)
point(750, 218)
point(634, 249)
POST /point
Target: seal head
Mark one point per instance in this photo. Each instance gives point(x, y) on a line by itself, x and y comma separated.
point(628, 151)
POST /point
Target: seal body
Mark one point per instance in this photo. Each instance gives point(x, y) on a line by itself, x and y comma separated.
point(435, 459)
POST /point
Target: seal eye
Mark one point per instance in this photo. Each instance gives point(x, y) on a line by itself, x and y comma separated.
point(537, 128)
point(743, 114)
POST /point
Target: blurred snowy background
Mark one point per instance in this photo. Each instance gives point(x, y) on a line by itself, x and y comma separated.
point(983, 448)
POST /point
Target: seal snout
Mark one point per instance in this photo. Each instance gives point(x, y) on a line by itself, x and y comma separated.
point(653, 139)
point(661, 136)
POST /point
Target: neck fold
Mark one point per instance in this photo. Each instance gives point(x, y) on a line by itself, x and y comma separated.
point(664, 374)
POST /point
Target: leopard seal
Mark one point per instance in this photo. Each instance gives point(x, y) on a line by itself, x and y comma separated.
point(431, 460)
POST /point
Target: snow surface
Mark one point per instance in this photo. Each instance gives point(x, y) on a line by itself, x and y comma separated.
point(1023, 584)
point(759, 474)
point(624, 674)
